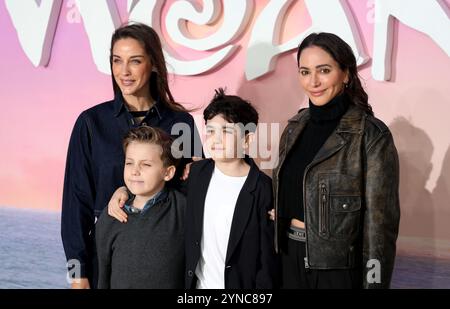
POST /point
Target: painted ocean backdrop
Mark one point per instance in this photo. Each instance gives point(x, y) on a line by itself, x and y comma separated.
point(32, 256)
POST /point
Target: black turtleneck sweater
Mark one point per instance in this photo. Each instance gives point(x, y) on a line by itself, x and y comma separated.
point(324, 120)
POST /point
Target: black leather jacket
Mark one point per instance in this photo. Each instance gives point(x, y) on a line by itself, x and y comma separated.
point(350, 193)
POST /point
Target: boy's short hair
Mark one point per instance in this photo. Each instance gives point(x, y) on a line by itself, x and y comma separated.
point(156, 136)
point(233, 109)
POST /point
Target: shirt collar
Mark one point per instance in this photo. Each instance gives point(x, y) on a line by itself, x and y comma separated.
point(160, 196)
point(333, 110)
point(120, 106)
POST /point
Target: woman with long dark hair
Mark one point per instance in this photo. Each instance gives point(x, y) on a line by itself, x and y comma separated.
point(336, 185)
point(95, 160)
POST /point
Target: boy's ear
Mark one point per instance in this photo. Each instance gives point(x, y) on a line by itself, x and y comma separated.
point(170, 172)
point(248, 140)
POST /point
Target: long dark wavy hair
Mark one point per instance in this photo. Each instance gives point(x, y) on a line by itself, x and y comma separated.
point(149, 40)
point(342, 53)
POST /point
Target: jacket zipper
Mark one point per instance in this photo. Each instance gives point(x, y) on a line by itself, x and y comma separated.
point(306, 218)
point(323, 210)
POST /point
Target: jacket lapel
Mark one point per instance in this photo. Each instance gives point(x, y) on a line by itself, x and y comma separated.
point(332, 145)
point(350, 123)
point(202, 184)
point(293, 130)
point(296, 125)
point(243, 208)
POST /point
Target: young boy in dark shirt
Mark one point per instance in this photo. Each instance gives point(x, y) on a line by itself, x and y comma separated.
point(148, 251)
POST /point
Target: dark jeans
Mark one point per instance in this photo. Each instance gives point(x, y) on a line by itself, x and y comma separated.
point(295, 276)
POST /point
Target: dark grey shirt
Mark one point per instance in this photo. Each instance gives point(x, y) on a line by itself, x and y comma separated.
point(147, 252)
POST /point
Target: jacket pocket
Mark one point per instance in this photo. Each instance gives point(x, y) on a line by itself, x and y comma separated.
point(345, 216)
point(338, 201)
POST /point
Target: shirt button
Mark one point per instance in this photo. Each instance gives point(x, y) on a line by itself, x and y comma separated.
point(345, 206)
point(196, 243)
point(190, 273)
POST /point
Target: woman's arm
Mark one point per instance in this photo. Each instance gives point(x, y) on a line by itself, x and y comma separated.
point(77, 217)
point(382, 213)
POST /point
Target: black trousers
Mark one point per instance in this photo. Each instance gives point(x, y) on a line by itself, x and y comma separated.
point(295, 276)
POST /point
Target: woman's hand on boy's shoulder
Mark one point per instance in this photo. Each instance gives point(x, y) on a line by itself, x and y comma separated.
point(115, 205)
point(271, 214)
point(187, 168)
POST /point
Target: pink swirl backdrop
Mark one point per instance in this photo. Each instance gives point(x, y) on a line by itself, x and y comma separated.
point(40, 105)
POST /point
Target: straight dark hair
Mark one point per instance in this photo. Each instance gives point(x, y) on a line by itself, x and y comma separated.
point(149, 40)
point(233, 109)
point(342, 53)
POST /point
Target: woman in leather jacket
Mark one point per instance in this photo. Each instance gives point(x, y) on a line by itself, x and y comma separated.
point(336, 186)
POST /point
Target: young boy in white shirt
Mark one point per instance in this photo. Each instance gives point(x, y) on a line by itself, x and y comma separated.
point(229, 236)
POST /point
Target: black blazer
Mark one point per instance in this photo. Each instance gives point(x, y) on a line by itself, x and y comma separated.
point(251, 261)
